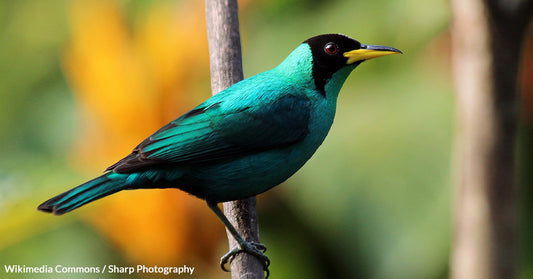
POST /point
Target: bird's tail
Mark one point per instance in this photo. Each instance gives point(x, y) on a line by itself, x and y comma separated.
point(87, 192)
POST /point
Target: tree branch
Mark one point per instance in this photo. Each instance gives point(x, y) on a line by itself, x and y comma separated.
point(487, 39)
point(226, 69)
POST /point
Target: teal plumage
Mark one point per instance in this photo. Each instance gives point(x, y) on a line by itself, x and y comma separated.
point(244, 140)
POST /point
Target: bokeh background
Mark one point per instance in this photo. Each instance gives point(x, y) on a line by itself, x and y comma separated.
point(82, 82)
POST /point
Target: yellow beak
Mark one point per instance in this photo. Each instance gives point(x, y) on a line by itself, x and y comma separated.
point(368, 52)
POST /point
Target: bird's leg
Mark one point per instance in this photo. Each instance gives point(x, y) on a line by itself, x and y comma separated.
point(252, 248)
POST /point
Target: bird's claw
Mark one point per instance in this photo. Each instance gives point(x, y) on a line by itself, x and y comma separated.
point(255, 249)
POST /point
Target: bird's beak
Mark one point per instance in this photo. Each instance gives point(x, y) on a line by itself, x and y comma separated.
point(368, 52)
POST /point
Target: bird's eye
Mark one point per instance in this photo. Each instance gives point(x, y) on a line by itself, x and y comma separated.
point(331, 48)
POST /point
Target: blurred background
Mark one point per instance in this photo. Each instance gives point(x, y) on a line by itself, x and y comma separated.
point(83, 82)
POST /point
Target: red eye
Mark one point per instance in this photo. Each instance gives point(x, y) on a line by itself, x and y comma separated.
point(331, 48)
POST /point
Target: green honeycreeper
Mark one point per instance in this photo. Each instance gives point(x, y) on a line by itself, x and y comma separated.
point(242, 141)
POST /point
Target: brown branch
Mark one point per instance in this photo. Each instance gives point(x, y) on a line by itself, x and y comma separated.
point(226, 69)
point(487, 40)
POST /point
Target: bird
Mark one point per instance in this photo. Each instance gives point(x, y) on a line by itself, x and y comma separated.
point(240, 142)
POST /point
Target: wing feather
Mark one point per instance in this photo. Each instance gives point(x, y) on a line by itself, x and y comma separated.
point(213, 133)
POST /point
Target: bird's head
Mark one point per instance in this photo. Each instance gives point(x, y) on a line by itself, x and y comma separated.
point(328, 59)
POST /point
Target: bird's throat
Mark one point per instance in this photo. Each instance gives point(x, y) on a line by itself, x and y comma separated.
point(334, 84)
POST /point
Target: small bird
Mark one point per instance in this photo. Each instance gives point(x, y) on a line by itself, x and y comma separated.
point(242, 141)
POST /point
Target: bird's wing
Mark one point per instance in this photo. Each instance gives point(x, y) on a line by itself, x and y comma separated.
point(215, 132)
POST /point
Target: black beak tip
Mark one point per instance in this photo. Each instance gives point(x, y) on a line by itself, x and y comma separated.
point(381, 48)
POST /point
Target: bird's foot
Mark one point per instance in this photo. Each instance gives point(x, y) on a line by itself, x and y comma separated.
point(255, 249)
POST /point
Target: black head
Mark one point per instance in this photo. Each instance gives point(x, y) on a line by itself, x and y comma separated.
point(331, 52)
point(328, 55)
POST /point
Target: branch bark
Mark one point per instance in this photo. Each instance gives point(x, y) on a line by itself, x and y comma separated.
point(226, 69)
point(487, 38)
